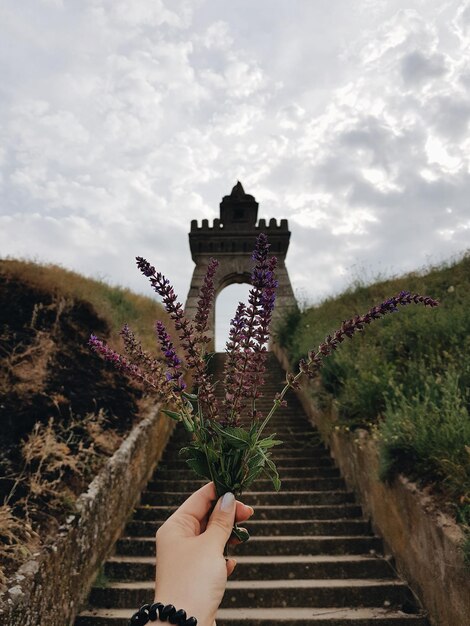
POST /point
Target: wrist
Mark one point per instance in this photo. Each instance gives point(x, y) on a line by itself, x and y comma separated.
point(194, 607)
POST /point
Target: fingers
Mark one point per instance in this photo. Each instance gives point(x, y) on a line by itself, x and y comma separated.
point(231, 563)
point(220, 524)
point(243, 512)
point(199, 503)
point(191, 518)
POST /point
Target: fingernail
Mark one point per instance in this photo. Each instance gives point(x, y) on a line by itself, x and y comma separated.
point(227, 502)
point(251, 509)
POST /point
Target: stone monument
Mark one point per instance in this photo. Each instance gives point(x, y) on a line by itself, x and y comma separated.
point(231, 240)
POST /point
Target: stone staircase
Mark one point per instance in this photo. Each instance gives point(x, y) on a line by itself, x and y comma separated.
point(312, 558)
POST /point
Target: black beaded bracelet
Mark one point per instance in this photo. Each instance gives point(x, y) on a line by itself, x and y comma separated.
point(152, 612)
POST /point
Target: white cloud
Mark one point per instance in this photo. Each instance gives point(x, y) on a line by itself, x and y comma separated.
point(124, 121)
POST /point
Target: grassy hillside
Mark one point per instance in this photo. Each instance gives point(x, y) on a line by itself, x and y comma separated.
point(62, 409)
point(114, 305)
point(407, 376)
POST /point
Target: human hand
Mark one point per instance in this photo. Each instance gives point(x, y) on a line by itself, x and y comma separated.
point(191, 568)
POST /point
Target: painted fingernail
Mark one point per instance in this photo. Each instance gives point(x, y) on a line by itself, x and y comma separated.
point(227, 502)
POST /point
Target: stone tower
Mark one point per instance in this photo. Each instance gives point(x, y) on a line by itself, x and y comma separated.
point(231, 240)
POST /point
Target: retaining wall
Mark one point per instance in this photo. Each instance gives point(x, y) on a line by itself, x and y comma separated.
point(424, 541)
point(50, 587)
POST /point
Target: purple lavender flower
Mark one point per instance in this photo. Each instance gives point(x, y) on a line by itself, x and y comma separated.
point(138, 356)
point(246, 350)
point(356, 324)
point(231, 466)
point(187, 336)
point(172, 359)
point(175, 309)
point(206, 298)
point(123, 364)
point(232, 348)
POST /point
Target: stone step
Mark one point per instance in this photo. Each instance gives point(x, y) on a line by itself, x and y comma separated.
point(295, 432)
point(299, 616)
point(263, 528)
point(285, 457)
point(287, 461)
point(261, 484)
point(297, 446)
point(128, 568)
point(288, 440)
point(294, 417)
point(284, 472)
point(290, 427)
point(255, 498)
point(266, 512)
point(348, 592)
point(311, 558)
point(281, 546)
point(325, 616)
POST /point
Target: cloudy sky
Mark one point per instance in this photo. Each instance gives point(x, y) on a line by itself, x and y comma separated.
point(122, 120)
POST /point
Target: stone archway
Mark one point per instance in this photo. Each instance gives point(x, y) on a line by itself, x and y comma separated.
point(231, 240)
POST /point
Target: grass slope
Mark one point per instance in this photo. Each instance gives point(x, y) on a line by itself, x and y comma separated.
point(407, 376)
point(62, 409)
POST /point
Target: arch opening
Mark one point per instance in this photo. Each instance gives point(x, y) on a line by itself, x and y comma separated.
point(233, 235)
point(225, 306)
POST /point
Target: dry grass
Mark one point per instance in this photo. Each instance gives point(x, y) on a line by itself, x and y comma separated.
point(58, 458)
point(17, 540)
point(58, 462)
point(47, 460)
point(25, 366)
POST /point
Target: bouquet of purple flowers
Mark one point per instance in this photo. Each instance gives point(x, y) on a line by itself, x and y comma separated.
point(228, 445)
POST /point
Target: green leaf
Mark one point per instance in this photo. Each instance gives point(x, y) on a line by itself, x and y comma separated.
point(212, 455)
point(238, 437)
point(255, 464)
point(188, 425)
point(172, 414)
point(189, 396)
point(271, 472)
point(257, 460)
point(197, 460)
point(200, 467)
point(254, 430)
point(252, 476)
point(269, 442)
point(240, 533)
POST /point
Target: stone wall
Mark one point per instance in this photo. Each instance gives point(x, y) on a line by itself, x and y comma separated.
point(424, 541)
point(51, 587)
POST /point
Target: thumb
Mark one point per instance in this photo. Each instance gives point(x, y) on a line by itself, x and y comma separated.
point(220, 524)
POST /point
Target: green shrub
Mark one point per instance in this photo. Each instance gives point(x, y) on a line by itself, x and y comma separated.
point(408, 373)
point(428, 434)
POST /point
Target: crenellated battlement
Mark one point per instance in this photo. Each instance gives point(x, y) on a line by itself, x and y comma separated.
point(231, 239)
point(237, 228)
point(218, 226)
